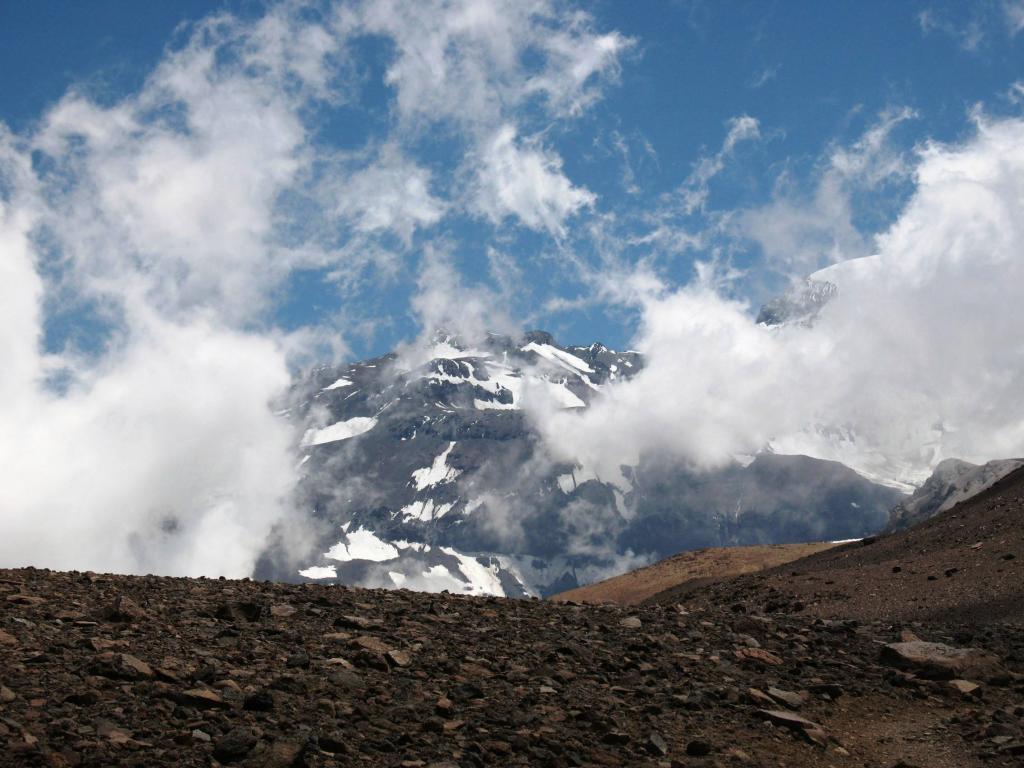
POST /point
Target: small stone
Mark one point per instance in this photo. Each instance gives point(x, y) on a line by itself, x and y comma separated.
point(337, 661)
point(370, 643)
point(399, 658)
point(298, 660)
point(199, 735)
point(356, 622)
point(280, 754)
point(790, 699)
point(616, 738)
point(7, 639)
point(631, 622)
point(30, 600)
point(283, 611)
point(758, 696)
point(757, 654)
point(124, 610)
point(235, 744)
point(7, 695)
point(938, 661)
point(444, 706)
point(809, 730)
point(260, 701)
point(203, 699)
point(120, 666)
point(656, 745)
point(963, 687)
point(698, 748)
point(334, 742)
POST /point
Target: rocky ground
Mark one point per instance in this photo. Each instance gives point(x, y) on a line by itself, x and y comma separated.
point(112, 670)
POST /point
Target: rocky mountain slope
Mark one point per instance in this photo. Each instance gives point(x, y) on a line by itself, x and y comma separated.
point(425, 470)
point(952, 481)
point(964, 564)
point(695, 568)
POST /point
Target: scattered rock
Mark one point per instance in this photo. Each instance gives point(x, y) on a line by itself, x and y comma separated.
point(123, 610)
point(120, 666)
point(759, 655)
point(235, 744)
point(937, 661)
point(280, 754)
point(964, 687)
point(698, 748)
point(260, 701)
point(811, 731)
point(202, 699)
point(656, 745)
point(334, 742)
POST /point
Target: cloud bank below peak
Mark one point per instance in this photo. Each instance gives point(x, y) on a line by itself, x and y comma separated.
point(917, 359)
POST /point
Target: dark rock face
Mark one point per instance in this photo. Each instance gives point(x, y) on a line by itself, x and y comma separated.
point(952, 481)
point(396, 678)
point(426, 472)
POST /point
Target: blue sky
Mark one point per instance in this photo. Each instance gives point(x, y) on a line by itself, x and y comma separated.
point(815, 76)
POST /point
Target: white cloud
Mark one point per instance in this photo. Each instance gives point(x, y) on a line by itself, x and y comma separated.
point(1013, 10)
point(525, 180)
point(915, 361)
point(969, 36)
point(472, 61)
point(391, 194)
point(803, 233)
point(694, 191)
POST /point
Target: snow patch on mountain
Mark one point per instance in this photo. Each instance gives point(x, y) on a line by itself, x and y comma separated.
point(341, 382)
point(362, 544)
point(319, 572)
point(425, 510)
point(559, 357)
point(342, 430)
point(437, 473)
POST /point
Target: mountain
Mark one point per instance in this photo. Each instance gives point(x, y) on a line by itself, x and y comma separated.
point(952, 481)
point(800, 305)
point(424, 469)
point(965, 564)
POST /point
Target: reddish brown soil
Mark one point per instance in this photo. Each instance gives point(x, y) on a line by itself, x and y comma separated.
point(699, 567)
point(146, 671)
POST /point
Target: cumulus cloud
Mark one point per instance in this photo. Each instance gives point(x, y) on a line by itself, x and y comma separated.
point(147, 241)
point(391, 194)
point(473, 62)
point(526, 181)
point(156, 450)
point(913, 362)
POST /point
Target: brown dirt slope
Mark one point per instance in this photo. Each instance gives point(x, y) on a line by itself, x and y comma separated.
point(145, 671)
point(691, 569)
point(966, 564)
